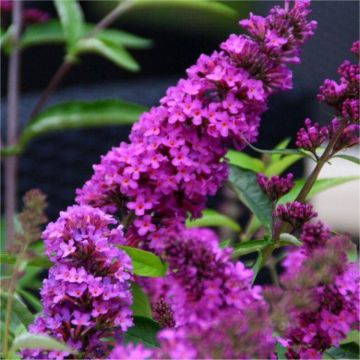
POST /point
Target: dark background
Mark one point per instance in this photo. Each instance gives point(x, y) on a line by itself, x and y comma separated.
point(61, 162)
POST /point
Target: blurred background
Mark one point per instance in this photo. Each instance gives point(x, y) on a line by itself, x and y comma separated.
point(61, 162)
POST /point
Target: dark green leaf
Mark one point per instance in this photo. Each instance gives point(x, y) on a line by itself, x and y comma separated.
point(80, 114)
point(352, 336)
point(37, 341)
point(144, 331)
point(244, 183)
point(30, 278)
point(4, 37)
point(353, 159)
point(276, 168)
point(319, 186)
point(145, 263)
point(113, 52)
point(6, 258)
point(346, 351)
point(19, 309)
point(244, 161)
point(71, 18)
point(225, 243)
point(212, 218)
point(249, 247)
point(141, 305)
point(31, 299)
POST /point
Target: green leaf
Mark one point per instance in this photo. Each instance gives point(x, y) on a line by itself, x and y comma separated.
point(288, 239)
point(212, 218)
point(141, 305)
point(30, 278)
point(244, 161)
point(280, 351)
point(353, 159)
point(244, 183)
point(352, 336)
point(225, 243)
point(145, 263)
point(346, 351)
point(71, 18)
point(319, 186)
point(77, 115)
point(51, 32)
point(249, 247)
point(37, 341)
point(144, 331)
point(282, 145)
point(19, 309)
point(120, 38)
point(257, 266)
point(4, 37)
point(113, 52)
point(6, 258)
point(277, 167)
point(31, 299)
point(41, 261)
point(279, 151)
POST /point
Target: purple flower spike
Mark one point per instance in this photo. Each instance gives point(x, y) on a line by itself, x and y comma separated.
point(276, 186)
point(174, 160)
point(295, 213)
point(85, 297)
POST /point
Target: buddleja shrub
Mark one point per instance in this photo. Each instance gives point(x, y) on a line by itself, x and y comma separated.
point(135, 275)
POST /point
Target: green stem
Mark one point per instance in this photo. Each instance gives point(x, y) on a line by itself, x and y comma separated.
point(304, 192)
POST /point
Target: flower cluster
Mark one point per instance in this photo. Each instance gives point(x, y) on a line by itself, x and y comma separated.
point(232, 335)
point(276, 186)
point(295, 213)
point(344, 95)
point(202, 280)
point(175, 157)
point(311, 136)
point(318, 303)
point(86, 296)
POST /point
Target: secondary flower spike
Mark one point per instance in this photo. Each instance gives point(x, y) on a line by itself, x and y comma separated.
point(86, 296)
point(174, 160)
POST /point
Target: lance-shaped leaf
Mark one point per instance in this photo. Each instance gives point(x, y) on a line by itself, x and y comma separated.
point(244, 161)
point(77, 115)
point(37, 341)
point(30, 298)
point(319, 186)
point(244, 183)
point(72, 20)
point(278, 167)
point(282, 145)
point(144, 331)
point(18, 308)
point(6, 258)
point(141, 305)
point(249, 247)
point(113, 52)
point(51, 32)
point(346, 351)
point(351, 158)
point(212, 218)
point(145, 263)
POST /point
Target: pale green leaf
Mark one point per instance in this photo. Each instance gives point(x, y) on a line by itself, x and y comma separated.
point(244, 161)
point(351, 158)
point(319, 186)
point(113, 52)
point(72, 20)
point(145, 263)
point(282, 145)
point(279, 166)
point(249, 247)
point(212, 218)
